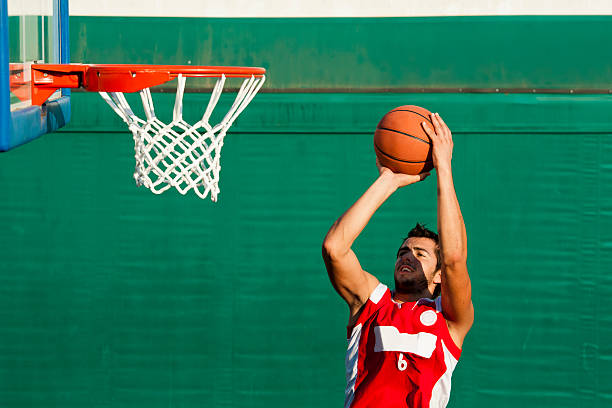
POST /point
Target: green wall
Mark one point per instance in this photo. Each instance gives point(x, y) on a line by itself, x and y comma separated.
point(361, 53)
point(115, 297)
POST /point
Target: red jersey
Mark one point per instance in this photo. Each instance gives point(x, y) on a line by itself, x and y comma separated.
point(399, 354)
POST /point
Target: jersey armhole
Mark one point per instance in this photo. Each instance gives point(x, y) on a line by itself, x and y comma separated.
point(370, 306)
point(448, 339)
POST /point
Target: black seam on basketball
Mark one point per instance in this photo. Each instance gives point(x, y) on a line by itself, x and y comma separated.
point(416, 113)
point(405, 134)
point(396, 159)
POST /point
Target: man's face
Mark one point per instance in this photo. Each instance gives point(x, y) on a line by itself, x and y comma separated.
point(415, 267)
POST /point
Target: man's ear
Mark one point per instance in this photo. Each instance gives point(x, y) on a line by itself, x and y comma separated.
point(438, 276)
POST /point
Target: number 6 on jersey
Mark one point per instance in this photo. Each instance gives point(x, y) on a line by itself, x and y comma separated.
point(401, 363)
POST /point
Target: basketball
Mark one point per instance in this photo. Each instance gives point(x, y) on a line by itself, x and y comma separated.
point(400, 142)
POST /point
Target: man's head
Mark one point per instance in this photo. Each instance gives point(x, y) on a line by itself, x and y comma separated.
point(417, 268)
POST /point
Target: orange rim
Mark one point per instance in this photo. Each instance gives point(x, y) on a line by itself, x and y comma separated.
point(46, 78)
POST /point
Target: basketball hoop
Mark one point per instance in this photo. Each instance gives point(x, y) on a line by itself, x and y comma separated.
point(176, 154)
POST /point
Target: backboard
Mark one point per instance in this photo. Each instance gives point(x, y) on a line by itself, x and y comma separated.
point(31, 31)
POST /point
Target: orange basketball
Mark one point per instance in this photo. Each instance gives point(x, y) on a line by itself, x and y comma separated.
point(400, 142)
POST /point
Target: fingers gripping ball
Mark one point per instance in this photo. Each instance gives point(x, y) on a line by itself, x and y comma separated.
point(400, 142)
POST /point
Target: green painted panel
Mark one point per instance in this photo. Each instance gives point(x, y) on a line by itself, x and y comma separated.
point(115, 297)
point(360, 112)
point(362, 53)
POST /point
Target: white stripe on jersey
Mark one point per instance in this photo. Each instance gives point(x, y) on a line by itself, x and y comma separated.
point(440, 393)
point(388, 338)
point(351, 362)
point(378, 293)
point(352, 353)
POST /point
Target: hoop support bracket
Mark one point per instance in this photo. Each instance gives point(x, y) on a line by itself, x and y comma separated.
point(47, 78)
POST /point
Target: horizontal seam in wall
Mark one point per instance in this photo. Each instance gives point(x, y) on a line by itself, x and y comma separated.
point(321, 132)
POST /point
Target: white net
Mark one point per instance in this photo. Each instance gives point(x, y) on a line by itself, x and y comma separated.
point(178, 154)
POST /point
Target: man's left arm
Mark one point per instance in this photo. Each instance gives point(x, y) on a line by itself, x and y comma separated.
point(456, 286)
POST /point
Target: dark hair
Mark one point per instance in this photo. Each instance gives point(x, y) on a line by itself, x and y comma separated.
point(420, 231)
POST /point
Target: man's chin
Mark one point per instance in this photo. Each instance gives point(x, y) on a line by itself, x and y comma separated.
point(408, 285)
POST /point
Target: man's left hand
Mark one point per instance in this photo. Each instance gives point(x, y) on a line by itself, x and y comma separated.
point(442, 141)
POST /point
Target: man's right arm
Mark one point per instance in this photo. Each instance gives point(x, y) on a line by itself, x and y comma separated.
point(351, 282)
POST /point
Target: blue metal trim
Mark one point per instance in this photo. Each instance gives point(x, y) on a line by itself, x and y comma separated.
point(5, 98)
point(58, 113)
point(64, 36)
point(23, 125)
point(56, 32)
point(32, 122)
point(64, 32)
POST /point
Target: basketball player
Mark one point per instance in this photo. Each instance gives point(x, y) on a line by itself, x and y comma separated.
point(404, 344)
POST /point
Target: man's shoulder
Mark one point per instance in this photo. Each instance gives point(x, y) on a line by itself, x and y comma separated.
point(380, 296)
point(430, 304)
point(379, 293)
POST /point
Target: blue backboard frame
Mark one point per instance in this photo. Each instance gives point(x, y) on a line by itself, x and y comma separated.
point(23, 125)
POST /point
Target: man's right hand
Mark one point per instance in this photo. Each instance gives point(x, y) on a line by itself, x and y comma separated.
point(400, 179)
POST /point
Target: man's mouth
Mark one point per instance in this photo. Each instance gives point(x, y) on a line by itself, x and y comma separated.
point(406, 269)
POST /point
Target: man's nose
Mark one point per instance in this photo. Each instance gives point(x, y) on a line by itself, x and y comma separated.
point(408, 257)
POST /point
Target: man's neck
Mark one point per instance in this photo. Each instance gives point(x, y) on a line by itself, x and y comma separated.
point(411, 297)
